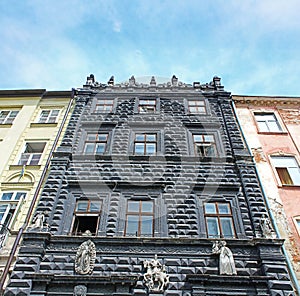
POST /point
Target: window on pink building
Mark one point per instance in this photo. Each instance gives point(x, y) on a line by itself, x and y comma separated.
point(267, 122)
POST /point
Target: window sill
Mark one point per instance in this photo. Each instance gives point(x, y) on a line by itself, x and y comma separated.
point(6, 125)
point(272, 133)
point(35, 124)
point(287, 186)
point(19, 167)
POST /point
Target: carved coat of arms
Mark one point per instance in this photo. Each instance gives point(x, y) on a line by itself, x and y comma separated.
point(85, 258)
point(155, 278)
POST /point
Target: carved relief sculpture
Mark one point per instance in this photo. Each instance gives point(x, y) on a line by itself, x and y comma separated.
point(85, 258)
point(155, 278)
point(80, 290)
point(226, 261)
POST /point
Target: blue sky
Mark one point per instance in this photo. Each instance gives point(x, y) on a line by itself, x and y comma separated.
point(253, 45)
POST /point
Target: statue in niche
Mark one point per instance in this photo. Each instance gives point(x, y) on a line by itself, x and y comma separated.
point(80, 290)
point(155, 278)
point(85, 258)
point(266, 227)
point(39, 221)
point(226, 261)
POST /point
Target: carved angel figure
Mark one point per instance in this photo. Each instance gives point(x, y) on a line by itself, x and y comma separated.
point(85, 258)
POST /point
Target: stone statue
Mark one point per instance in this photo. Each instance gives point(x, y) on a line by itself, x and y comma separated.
point(266, 227)
point(226, 261)
point(80, 290)
point(155, 278)
point(38, 220)
point(85, 258)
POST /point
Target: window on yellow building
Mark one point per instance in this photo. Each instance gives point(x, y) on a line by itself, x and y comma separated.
point(48, 116)
point(7, 117)
point(32, 153)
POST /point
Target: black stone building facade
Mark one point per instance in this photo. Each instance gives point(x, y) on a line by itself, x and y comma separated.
point(151, 192)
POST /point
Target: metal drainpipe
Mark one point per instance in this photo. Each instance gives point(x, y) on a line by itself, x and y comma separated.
point(290, 267)
point(35, 197)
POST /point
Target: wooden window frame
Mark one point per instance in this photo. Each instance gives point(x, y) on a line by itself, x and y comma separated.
point(107, 105)
point(139, 214)
point(95, 142)
point(218, 216)
point(87, 213)
point(199, 105)
point(146, 107)
point(204, 143)
point(145, 142)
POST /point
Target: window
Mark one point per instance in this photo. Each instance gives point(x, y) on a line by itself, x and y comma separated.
point(267, 122)
point(86, 217)
point(145, 144)
point(7, 117)
point(219, 221)
point(96, 143)
point(104, 105)
point(197, 106)
point(139, 218)
point(204, 145)
point(48, 116)
point(147, 105)
point(8, 205)
point(32, 153)
point(287, 169)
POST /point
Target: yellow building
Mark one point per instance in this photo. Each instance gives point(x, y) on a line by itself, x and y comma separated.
point(31, 124)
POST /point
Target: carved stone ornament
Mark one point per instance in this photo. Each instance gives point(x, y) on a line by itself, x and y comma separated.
point(226, 261)
point(266, 227)
point(155, 278)
point(80, 290)
point(85, 258)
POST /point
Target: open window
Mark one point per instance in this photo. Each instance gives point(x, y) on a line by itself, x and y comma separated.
point(205, 145)
point(9, 202)
point(86, 217)
point(32, 153)
point(147, 105)
point(287, 169)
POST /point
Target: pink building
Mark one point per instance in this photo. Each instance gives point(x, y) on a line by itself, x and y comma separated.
point(271, 127)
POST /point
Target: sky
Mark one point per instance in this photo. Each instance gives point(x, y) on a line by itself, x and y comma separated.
point(253, 45)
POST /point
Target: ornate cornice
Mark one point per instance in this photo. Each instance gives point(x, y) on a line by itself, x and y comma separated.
point(266, 100)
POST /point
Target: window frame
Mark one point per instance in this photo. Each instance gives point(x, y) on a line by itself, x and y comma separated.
point(205, 144)
point(145, 143)
point(147, 105)
point(31, 155)
point(105, 104)
point(279, 176)
point(88, 213)
point(218, 217)
point(140, 214)
point(49, 116)
point(96, 142)
point(8, 117)
point(196, 106)
point(268, 123)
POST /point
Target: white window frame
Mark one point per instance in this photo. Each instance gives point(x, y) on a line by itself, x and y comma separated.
point(267, 122)
point(30, 155)
point(288, 168)
point(8, 117)
point(49, 116)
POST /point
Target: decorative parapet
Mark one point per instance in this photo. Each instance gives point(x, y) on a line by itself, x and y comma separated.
point(141, 83)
